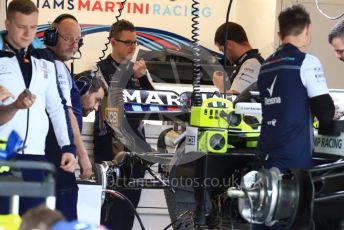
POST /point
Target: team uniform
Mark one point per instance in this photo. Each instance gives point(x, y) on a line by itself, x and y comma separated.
point(288, 82)
point(66, 185)
point(246, 70)
point(116, 214)
point(34, 69)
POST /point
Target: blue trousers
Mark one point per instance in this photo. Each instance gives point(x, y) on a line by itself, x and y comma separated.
point(66, 188)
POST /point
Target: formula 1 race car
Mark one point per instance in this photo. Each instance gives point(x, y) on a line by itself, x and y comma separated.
point(211, 159)
point(203, 163)
point(218, 144)
point(216, 133)
point(259, 201)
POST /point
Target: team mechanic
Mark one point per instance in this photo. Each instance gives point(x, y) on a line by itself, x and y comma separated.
point(293, 87)
point(22, 68)
point(64, 39)
point(119, 70)
point(247, 61)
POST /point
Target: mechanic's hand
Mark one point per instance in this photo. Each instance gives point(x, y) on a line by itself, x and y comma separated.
point(218, 80)
point(139, 68)
point(85, 167)
point(68, 162)
point(337, 114)
point(5, 94)
point(25, 100)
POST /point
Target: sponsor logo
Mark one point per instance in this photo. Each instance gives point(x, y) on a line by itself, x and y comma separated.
point(272, 122)
point(328, 142)
point(271, 89)
point(151, 97)
point(45, 69)
point(112, 117)
point(109, 6)
point(190, 140)
point(62, 81)
point(249, 70)
point(317, 69)
point(3, 70)
point(272, 100)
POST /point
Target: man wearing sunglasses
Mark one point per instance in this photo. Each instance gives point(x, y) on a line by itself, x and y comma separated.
point(118, 69)
point(64, 40)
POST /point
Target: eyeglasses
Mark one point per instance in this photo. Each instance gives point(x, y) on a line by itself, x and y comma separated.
point(339, 51)
point(128, 42)
point(69, 39)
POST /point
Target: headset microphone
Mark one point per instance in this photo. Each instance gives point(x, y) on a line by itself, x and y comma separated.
point(51, 35)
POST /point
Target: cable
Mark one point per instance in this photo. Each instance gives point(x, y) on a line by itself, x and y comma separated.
point(251, 206)
point(225, 49)
point(107, 44)
point(196, 66)
point(120, 9)
point(188, 212)
point(27, 128)
point(121, 196)
point(230, 212)
point(103, 53)
point(324, 14)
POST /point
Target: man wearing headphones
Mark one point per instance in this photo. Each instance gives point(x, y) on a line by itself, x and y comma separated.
point(64, 39)
point(92, 90)
point(247, 61)
point(29, 74)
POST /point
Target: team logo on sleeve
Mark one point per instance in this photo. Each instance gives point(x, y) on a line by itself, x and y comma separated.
point(319, 75)
point(45, 69)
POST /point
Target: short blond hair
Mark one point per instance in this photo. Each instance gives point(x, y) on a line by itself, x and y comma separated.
point(23, 6)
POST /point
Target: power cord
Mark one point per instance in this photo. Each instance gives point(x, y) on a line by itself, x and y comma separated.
point(120, 9)
point(27, 129)
point(196, 64)
point(324, 14)
point(28, 93)
point(251, 206)
point(225, 50)
point(121, 196)
point(107, 44)
point(188, 212)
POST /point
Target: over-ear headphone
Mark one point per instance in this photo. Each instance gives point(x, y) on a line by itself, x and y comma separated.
point(51, 35)
point(84, 80)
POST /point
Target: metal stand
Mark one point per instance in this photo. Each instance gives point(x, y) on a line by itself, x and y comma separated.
point(14, 186)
